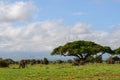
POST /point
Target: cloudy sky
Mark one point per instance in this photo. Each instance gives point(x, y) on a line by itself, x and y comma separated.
point(32, 28)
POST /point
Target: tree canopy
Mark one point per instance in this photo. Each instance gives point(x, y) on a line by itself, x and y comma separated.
point(117, 51)
point(81, 49)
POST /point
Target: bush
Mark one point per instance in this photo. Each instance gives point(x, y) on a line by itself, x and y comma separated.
point(75, 64)
point(45, 61)
point(82, 62)
point(3, 64)
point(9, 61)
point(78, 61)
point(33, 61)
point(116, 59)
point(69, 61)
point(110, 60)
point(59, 61)
point(38, 61)
point(98, 59)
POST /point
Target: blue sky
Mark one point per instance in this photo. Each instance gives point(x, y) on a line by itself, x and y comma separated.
point(38, 26)
point(99, 13)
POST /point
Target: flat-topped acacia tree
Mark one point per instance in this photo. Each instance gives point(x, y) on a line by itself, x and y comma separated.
point(81, 49)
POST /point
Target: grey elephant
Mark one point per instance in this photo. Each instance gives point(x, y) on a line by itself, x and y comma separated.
point(22, 63)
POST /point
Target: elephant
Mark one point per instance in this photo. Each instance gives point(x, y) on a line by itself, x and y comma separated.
point(22, 63)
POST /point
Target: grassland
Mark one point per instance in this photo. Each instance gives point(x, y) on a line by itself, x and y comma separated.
point(62, 72)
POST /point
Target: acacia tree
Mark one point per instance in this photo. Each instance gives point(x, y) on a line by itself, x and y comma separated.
point(80, 49)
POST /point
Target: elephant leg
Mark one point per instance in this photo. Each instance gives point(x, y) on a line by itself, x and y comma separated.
point(20, 65)
point(23, 65)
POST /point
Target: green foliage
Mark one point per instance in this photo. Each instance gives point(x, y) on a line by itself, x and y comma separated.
point(117, 51)
point(98, 59)
point(90, 59)
point(69, 61)
point(1, 59)
point(3, 63)
point(32, 61)
point(59, 61)
point(78, 62)
point(116, 58)
point(81, 49)
point(112, 60)
point(107, 49)
point(82, 62)
point(45, 61)
point(38, 61)
point(9, 61)
point(75, 64)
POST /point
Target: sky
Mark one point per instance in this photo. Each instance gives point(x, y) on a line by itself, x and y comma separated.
point(33, 28)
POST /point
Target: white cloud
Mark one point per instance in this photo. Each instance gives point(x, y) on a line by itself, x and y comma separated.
point(17, 11)
point(46, 35)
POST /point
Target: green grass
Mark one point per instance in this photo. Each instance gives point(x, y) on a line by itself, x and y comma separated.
point(62, 72)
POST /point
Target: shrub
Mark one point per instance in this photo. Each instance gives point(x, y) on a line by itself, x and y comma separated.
point(75, 64)
point(98, 59)
point(59, 61)
point(69, 61)
point(116, 59)
point(38, 61)
point(77, 61)
point(9, 61)
point(82, 62)
point(41, 61)
point(33, 61)
point(3, 64)
point(45, 61)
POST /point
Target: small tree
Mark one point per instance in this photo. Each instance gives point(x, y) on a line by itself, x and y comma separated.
point(33, 61)
point(45, 61)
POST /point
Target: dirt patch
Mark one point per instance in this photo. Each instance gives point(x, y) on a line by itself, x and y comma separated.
point(108, 75)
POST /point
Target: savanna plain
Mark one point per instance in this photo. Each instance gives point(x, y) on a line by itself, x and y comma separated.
point(65, 71)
